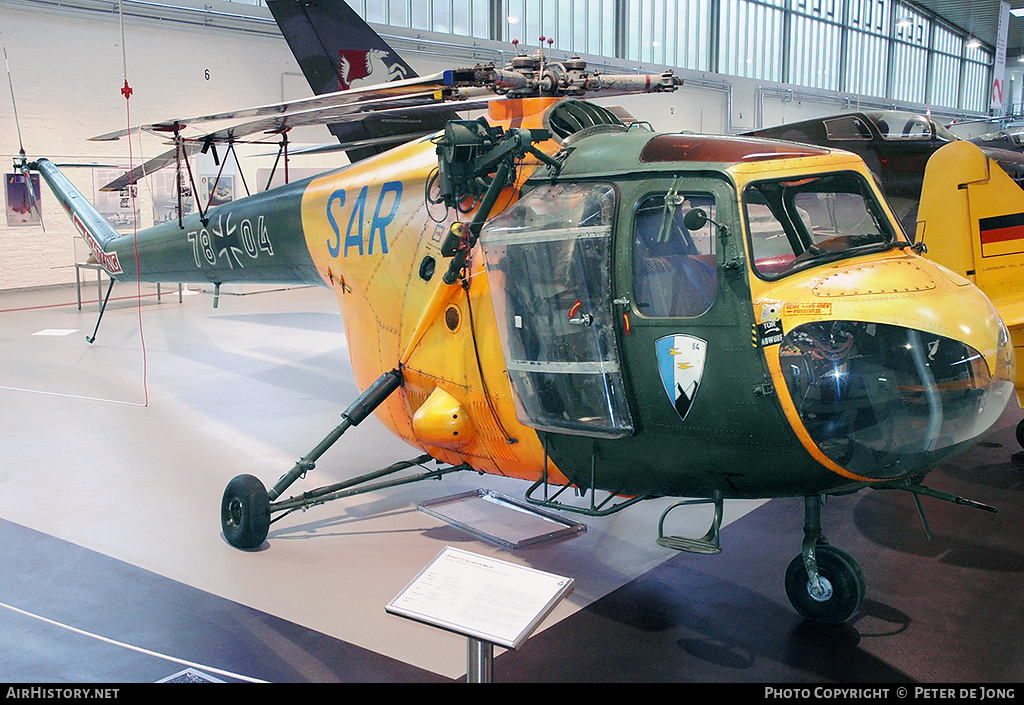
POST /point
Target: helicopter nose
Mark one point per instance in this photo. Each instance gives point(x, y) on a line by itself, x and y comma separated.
point(884, 401)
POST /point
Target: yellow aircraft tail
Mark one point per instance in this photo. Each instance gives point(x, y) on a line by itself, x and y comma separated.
point(971, 219)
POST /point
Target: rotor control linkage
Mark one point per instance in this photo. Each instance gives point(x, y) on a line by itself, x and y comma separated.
point(467, 154)
point(362, 407)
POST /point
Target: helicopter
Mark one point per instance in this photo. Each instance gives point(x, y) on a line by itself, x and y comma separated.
point(604, 311)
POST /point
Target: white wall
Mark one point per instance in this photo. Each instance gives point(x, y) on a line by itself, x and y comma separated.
point(67, 71)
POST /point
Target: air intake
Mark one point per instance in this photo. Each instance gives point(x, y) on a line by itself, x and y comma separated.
point(573, 117)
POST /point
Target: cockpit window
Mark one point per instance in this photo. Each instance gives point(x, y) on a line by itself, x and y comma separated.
point(847, 127)
point(903, 126)
point(798, 223)
point(674, 269)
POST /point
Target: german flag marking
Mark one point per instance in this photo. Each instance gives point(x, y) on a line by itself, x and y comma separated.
point(1002, 235)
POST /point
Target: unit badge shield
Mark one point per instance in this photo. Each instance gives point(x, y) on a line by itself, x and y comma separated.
point(681, 363)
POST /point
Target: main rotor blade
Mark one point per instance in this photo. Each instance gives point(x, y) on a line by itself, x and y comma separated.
point(421, 85)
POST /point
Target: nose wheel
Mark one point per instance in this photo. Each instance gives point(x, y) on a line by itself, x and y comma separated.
point(837, 593)
point(824, 583)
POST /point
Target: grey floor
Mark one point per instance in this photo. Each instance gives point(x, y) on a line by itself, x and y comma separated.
point(114, 456)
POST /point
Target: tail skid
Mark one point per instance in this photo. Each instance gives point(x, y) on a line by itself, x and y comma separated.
point(91, 225)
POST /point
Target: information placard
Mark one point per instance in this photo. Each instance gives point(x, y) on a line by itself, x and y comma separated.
point(480, 597)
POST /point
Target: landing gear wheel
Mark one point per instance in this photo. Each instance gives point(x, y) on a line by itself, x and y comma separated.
point(245, 512)
point(842, 578)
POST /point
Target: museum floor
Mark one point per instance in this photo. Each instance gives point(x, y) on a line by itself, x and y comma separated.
point(114, 455)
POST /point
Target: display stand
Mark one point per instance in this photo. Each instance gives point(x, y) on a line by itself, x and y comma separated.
point(490, 602)
point(501, 519)
point(79, 266)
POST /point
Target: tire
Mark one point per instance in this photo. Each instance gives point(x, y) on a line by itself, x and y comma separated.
point(245, 512)
point(843, 578)
point(1020, 433)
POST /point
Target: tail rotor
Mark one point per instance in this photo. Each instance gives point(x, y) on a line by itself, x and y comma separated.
point(21, 164)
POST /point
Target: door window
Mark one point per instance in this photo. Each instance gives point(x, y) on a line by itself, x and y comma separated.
point(674, 268)
point(548, 260)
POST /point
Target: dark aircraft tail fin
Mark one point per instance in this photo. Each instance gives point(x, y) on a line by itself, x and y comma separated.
point(89, 222)
point(337, 50)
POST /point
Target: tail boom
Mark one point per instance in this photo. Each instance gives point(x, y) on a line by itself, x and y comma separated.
point(256, 239)
point(89, 223)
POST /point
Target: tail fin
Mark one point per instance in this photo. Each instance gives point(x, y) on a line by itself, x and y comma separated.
point(337, 50)
point(333, 45)
point(92, 226)
point(972, 220)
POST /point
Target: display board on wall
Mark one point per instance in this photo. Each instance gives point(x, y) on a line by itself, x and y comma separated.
point(120, 208)
point(20, 210)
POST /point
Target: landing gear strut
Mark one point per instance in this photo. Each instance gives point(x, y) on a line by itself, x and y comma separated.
point(247, 506)
point(823, 583)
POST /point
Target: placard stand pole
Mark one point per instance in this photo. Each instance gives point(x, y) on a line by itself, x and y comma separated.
point(479, 661)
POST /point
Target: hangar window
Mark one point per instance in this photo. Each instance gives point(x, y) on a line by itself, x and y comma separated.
point(880, 48)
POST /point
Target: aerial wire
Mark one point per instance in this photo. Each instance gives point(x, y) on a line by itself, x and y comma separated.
point(14, 104)
point(126, 91)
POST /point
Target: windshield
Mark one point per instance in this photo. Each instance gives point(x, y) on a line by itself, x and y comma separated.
point(799, 223)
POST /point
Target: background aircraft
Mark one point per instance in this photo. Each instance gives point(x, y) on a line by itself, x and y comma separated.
point(548, 294)
point(1010, 139)
point(336, 51)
